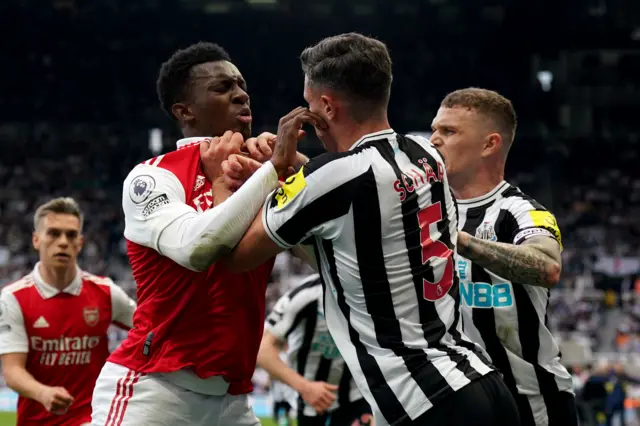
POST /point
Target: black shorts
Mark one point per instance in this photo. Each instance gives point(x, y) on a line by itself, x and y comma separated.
point(483, 402)
point(356, 411)
point(560, 410)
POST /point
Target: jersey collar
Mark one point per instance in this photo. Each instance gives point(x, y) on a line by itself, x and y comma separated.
point(184, 142)
point(48, 291)
point(385, 133)
point(483, 199)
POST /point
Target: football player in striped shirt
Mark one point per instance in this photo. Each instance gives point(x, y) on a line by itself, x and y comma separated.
point(384, 224)
point(508, 255)
point(318, 373)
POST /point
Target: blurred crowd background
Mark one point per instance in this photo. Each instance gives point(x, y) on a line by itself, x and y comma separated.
point(79, 110)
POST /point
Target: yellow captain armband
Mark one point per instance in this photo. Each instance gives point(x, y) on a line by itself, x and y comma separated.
point(546, 220)
point(293, 185)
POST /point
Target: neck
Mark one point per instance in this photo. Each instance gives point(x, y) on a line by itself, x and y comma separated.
point(57, 277)
point(349, 135)
point(476, 185)
point(190, 132)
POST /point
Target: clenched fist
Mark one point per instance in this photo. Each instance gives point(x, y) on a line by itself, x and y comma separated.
point(55, 399)
point(213, 151)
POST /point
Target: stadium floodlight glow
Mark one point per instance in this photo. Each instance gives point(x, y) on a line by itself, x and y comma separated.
point(155, 141)
point(545, 78)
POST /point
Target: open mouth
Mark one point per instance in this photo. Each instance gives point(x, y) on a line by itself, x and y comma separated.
point(62, 256)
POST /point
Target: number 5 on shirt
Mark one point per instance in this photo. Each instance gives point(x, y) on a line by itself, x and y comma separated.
point(435, 252)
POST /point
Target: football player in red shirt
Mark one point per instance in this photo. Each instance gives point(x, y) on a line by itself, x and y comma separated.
point(192, 351)
point(54, 321)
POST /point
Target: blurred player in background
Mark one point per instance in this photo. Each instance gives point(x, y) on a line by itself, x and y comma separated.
point(509, 247)
point(192, 352)
point(54, 321)
point(318, 372)
point(283, 396)
point(383, 222)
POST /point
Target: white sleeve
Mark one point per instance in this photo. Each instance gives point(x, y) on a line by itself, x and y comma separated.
point(13, 335)
point(122, 307)
point(156, 215)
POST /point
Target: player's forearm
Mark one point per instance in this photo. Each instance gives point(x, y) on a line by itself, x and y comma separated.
point(269, 360)
point(23, 383)
point(524, 264)
point(198, 241)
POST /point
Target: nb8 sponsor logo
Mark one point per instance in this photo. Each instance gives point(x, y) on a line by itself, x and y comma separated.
point(483, 295)
point(325, 345)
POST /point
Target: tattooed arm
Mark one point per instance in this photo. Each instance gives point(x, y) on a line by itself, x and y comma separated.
point(537, 261)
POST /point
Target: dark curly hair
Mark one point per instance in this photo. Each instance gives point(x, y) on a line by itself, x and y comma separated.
point(175, 73)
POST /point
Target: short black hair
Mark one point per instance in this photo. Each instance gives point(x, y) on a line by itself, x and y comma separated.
point(351, 63)
point(175, 73)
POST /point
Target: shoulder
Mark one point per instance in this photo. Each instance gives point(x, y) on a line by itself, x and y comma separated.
point(426, 145)
point(26, 283)
point(516, 201)
point(102, 284)
point(97, 280)
point(330, 162)
point(529, 213)
point(145, 181)
point(179, 161)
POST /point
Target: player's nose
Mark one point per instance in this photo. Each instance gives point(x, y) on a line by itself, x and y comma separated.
point(240, 96)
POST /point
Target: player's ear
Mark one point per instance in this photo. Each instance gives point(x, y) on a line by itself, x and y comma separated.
point(35, 240)
point(492, 144)
point(328, 107)
point(80, 243)
point(182, 112)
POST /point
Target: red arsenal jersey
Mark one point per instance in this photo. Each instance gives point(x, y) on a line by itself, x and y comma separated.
point(207, 323)
point(64, 334)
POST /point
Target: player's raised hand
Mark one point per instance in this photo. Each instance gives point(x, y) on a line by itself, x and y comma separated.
point(55, 399)
point(261, 148)
point(320, 395)
point(213, 151)
point(237, 169)
point(285, 150)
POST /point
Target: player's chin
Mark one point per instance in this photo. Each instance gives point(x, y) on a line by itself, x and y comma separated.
point(243, 128)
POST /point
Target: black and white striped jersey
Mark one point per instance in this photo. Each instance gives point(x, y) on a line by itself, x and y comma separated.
point(384, 223)
point(298, 319)
point(510, 319)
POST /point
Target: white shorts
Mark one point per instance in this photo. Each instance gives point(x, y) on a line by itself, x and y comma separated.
point(123, 397)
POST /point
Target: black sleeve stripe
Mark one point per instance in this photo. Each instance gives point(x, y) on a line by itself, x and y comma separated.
point(332, 205)
point(513, 192)
point(304, 286)
point(309, 310)
point(323, 159)
point(507, 226)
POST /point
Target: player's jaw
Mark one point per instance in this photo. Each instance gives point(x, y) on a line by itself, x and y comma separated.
point(243, 120)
